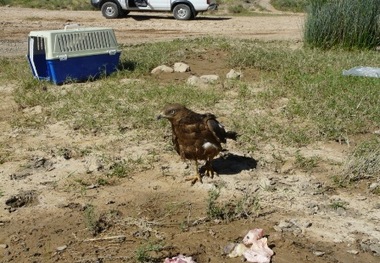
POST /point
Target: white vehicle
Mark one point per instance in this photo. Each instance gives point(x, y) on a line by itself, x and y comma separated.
point(181, 9)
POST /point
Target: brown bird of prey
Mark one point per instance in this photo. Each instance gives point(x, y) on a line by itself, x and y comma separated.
point(196, 136)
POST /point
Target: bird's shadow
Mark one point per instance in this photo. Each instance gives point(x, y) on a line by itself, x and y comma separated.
point(233, 164)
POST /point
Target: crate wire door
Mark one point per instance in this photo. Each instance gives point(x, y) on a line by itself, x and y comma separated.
point(36, 57)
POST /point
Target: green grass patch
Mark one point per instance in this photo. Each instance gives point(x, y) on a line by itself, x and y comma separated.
point(300, 97)
point(50, 4)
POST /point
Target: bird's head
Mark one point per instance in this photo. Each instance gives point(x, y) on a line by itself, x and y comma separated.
point(170, 111)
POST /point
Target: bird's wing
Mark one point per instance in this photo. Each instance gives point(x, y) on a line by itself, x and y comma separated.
point(216, 128)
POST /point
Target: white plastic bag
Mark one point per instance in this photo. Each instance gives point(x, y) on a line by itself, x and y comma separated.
point(363, 72)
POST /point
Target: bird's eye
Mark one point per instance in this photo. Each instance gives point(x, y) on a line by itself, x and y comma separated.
point(172, 112)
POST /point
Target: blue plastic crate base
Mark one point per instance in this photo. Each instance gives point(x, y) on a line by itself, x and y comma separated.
point(81, 68)
point(73, 55)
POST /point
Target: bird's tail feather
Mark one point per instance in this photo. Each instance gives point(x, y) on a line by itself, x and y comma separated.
point(232, 135)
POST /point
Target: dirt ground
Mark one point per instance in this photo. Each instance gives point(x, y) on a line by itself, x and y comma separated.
point(58, 197)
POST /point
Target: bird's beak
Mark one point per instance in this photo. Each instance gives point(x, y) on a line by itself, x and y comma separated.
point(159, 117)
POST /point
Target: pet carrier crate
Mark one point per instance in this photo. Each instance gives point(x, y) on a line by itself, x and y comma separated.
point(72, 54)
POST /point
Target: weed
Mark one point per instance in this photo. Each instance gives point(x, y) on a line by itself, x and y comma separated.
point(234, 209)
point(237, 9)
point(119, 169)
point(364, 162)
point(102, 181)
point(338, 204)
point(339, 181)
point(142, 253)
point(90, 218)
point(214, 211)
point(304, 163)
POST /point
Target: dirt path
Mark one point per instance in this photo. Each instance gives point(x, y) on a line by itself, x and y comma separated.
point(16, 23)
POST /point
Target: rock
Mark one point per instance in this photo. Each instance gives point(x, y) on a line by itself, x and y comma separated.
point(283, 226)
point(228, 248)
point(374, 186)
point(371, 245)
point(375, 248)
point(234, 74)
point(4, 246)
point(181, 67)
point(93, 164)
point(194, 81)
point(61, 248)
point(24, 198)
point(162, 68)
point(42, 162)
point(318, 253)
point(353, 251)
point(20, 175)
point(364, 245)
point(209, 78)
point(292, 225)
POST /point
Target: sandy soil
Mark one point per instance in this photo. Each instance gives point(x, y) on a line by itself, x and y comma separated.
point(52, 183)
point(142, 27)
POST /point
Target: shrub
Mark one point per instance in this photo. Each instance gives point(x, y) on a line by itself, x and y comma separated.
point(344, 23)
point(290, 5)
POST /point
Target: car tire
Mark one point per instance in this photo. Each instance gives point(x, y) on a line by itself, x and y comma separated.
point(110, 10)
point(182, 12)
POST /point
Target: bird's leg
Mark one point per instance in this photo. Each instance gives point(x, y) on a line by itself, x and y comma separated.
point(209, 170)
point(196, 177)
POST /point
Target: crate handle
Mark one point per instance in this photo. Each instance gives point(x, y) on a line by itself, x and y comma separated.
point(112, 52)
point(62, 57)
point(72, 26)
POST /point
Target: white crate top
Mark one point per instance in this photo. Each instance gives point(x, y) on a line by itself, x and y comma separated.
point(75, 42)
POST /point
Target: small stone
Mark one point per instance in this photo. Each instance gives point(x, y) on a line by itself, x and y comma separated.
point(353, 251)
point(307, 224)
point(375, 248)
point(234, 74)
point(194, 81)
point(162, 68)
point(61, 248)
point(181, 67)
point(4, 246)
point(318, 253)
point(209, 78)
point(374, 186)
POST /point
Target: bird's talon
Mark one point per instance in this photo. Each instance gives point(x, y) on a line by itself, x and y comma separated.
point(194, 179)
